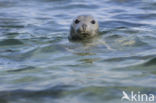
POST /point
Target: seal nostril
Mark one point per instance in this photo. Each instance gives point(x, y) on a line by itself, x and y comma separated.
point(77, 21)
point(84, 26)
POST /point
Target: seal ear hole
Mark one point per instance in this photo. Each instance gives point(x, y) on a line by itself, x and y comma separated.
point(77, 21)
point(93, 21)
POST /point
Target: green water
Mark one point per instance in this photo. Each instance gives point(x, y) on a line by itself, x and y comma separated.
point(38, 64)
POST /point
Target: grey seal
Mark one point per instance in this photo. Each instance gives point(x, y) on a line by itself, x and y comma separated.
point(83, 26)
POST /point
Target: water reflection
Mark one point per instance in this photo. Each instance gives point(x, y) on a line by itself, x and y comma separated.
point(39, 64)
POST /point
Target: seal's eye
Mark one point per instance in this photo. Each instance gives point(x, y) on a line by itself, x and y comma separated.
point(77, 21)
point(93, 22)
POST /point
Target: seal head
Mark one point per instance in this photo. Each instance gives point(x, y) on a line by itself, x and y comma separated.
point(83, 26)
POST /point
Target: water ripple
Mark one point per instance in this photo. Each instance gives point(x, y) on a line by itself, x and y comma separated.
point(39, 64)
